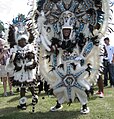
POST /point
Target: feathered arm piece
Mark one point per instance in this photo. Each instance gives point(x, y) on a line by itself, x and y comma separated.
point(11, 36)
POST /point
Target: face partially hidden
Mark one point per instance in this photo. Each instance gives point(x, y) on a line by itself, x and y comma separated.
point(66, 33)
point(22, 42)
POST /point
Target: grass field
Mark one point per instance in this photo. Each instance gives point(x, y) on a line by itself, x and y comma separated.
point(100, 108)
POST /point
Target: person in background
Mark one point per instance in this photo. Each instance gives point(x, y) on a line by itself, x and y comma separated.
point(109, 63)
point(4, 54)
point(100, 91)
point(100, 82)
point(22, 62)
point(1, 81)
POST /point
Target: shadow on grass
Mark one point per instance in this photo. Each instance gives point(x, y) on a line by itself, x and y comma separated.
point(14, 113)
point(5, 111)
point(8, 94)
point(17, 98)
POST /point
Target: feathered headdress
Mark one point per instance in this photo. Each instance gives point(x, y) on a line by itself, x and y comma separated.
point(21, 32)
point(20, 28)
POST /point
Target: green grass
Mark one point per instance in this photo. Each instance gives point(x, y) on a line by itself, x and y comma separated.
point(100, 108)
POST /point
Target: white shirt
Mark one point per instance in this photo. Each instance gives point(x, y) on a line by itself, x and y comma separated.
point(110, 51)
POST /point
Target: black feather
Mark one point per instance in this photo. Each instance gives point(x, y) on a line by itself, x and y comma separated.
point(61, 66)
point(11, 36)
point(73, 65)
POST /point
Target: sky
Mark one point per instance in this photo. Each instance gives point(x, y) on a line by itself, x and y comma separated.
point(11, 8)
